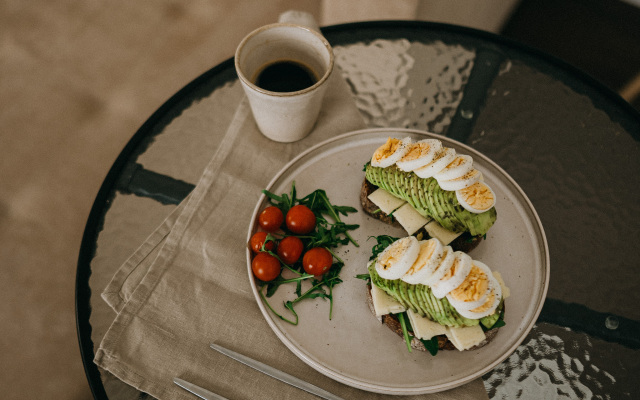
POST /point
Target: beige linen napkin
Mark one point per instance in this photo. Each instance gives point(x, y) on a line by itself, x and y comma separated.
point(187, 285)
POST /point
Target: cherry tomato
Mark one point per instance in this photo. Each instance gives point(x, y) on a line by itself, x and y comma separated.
point(257, 240)
point(317, 261)
point(290, 249)
point(300, 219)
point(265, 267)
point(271, 218)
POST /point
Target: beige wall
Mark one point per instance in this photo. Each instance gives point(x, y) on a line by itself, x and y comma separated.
point(487, 15)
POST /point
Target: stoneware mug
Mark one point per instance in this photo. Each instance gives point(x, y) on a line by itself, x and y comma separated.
point(284, 116)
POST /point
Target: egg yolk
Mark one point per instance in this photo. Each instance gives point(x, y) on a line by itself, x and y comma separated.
point(416, 151)
point(451, 272)
point(473, 287)
point(478, 196)
point(426, 251)
point(386, 149)
point(487, 304)
point(458, 161)
point(392, 254)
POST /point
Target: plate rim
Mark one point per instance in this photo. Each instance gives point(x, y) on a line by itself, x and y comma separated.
point(381, 388)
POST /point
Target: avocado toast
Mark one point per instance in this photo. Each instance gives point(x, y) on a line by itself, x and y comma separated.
point(429, 190)
point(429, 290)
point(433, 296)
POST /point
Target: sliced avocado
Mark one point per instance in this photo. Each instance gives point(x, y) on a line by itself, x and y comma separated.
point(414, 191)
point(420, 299)
point(400, 183)
point(449, 220)
point(459, 319)
point(390, 179)
point(435, 310)
point(414, 294)
point(445, 316)
point(441, 315)
point(422, 195)
point(431, 204)
point(383, 180)
point(384, 177)
point(443, 216)
point(440, 208)
point(430, 200)
point(491, 320)
point(393, 289)
point(406, 289)
point(447, 311)
point(396, 182)
point(423, 303)
point(402, 291)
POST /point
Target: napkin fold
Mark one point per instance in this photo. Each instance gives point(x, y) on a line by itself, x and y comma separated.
point(186, 286)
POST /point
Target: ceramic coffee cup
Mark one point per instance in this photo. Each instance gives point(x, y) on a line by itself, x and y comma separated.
point(284, 70)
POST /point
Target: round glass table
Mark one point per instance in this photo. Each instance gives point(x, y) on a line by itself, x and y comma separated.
point(571, 144)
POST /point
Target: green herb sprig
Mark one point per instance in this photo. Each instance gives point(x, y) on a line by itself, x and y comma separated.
point(382, 242)
point(330, 233)
point(431, 345)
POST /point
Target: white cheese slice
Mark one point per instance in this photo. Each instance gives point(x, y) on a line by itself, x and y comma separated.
point(434, 229)
point(505, 290)
point(410, 219)
point(465, 337)
point(384, 304)
point(385, 200)
point(423, 327)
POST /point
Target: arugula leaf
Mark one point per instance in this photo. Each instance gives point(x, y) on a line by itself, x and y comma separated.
point(330, 233)
point(364, 277)
point(431, 345)
point(264, 299)
point(499, 324)
point(382, 242)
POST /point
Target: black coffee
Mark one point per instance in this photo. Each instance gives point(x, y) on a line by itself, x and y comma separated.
point(285, 76)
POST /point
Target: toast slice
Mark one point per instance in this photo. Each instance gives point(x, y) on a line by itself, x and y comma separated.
point(465, 242)
point(392, 322)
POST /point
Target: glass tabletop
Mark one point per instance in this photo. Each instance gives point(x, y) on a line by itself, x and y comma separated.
point(570, 143)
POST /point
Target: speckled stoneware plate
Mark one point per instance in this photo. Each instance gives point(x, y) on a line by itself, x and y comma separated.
point(353, 347)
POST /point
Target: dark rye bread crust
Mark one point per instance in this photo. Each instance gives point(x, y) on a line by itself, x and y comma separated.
point(464, 242)
point(392, 322)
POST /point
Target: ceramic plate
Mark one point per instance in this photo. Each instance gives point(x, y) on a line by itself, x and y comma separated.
point(353, 347)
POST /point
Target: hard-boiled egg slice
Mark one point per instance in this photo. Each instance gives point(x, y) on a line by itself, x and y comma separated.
point(490, 304)
point(444, 263)
point(457, 168)
point(476, 198)
point(454, 277)
point(419, 154)
point(465, 181)
point(390, 152)
point(427, 261)
point(396, 259)
point(474, 290)
point(441, 160)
